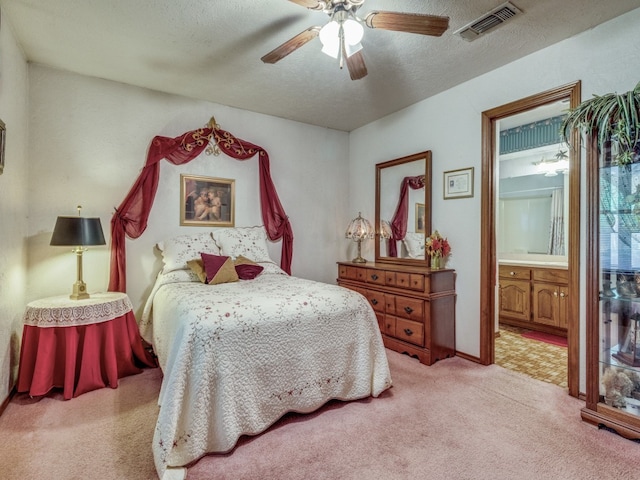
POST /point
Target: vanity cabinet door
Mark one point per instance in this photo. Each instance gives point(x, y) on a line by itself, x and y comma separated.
point(546, 304)
point(549, 296)
point(515, 299)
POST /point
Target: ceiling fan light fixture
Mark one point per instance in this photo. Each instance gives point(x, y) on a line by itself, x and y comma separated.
point(353, 31)
point(342, 30)
point(330, 38)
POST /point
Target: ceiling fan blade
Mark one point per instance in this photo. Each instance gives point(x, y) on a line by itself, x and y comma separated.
point(310, 4)
point(356, 66)
point(291, 45)
point(408, 22)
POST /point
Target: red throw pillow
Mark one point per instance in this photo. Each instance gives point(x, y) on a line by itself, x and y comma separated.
point(247, 271)
point(219, 269)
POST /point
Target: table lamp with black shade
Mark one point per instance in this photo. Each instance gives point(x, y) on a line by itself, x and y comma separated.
point(78, 232)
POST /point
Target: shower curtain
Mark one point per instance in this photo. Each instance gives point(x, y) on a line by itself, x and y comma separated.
point(556, 228)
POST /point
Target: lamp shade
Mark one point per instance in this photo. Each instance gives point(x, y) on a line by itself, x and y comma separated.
point(359, 229)
point(77, 231)
point(385, 229)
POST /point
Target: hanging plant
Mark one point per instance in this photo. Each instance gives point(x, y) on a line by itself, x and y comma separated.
point(614, 117)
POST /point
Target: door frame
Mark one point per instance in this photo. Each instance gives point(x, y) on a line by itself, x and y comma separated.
point(488, 279)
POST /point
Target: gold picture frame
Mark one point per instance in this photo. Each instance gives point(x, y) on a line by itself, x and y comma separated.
point(207, 201)
point(420, 212)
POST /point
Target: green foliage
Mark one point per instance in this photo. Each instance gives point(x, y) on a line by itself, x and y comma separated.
point(612, 117)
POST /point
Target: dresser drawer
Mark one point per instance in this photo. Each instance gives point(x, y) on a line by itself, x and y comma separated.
point(411, 308)
point(409, 331)
point(348, 272)
point(375, 276)
point(377, 300)
point(410, 281)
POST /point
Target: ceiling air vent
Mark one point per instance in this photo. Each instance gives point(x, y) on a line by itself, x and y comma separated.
point(488, 21)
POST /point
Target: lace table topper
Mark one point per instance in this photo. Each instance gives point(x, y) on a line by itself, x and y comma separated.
point(64, 312)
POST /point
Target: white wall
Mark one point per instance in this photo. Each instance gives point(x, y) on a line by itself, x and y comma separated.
point(606, 59)
point(13, 205)
point(91, 140)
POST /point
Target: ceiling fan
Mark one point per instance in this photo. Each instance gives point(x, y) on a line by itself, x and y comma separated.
point(342, 35)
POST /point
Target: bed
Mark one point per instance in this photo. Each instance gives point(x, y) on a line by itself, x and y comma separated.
point(236, 356)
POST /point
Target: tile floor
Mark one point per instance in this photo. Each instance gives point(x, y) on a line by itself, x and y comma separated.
point(537, 359)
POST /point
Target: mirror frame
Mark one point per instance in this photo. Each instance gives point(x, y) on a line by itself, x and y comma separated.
point(426, 155)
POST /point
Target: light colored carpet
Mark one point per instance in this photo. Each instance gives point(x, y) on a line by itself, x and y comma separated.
point(453, 420)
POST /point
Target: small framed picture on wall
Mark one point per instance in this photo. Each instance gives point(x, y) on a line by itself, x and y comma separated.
point(207, 201)
point(458, 183)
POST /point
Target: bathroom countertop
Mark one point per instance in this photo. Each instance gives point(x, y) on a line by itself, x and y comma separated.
point(534, 263)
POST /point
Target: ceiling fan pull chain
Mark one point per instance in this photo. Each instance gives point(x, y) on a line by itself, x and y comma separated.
point(341, 41)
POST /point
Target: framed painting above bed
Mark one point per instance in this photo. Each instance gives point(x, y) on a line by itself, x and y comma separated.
point(207, 201)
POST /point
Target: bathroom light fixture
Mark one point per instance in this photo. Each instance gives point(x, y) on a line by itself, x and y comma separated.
point(550, 167)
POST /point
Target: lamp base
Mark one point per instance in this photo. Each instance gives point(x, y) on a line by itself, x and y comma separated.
point(79, 291)
point(359, 260)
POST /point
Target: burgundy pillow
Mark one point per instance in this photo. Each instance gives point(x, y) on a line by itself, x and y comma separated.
point(247, 271)
point(219, 269)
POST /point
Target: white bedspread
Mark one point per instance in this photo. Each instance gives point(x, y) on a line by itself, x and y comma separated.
point(238, 356)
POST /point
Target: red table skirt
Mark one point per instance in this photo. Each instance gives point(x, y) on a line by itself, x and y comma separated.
point(79, 359)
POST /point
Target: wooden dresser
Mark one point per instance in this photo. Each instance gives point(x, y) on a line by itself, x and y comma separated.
point(415, 306)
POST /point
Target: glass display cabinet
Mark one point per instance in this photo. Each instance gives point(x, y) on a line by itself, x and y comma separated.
point(613, 291)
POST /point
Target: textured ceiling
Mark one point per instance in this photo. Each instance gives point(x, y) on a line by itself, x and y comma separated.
point(211, 50)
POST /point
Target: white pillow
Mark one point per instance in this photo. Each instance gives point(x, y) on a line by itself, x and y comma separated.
point(270, 267)
point(250, 242)
point(414, 243)
point(177, 251)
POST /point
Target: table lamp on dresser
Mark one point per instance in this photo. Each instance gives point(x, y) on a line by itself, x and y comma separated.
point(78, 232)
point(359, 229)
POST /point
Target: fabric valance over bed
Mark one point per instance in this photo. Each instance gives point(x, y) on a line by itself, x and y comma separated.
point(131, 216)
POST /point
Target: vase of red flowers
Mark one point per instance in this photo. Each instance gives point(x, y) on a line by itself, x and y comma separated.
point(438, 248)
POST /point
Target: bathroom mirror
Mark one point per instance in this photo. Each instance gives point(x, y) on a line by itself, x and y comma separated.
point(533, 171)
point(403, 209)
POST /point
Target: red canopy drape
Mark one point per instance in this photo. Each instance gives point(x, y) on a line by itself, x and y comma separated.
point(131, 216)
point(399, 222)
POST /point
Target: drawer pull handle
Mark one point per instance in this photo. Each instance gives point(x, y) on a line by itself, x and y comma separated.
point(513, 274)
point(374, 301)
point(374, 277)
point(408, 332)
point(408, 309)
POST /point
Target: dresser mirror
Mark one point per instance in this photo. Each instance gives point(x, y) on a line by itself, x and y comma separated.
point(403, 209)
